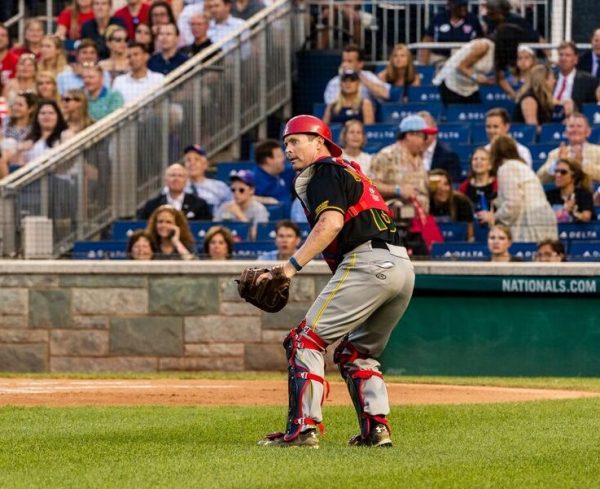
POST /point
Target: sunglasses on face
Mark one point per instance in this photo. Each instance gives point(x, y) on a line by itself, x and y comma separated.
point(241, 190)
point(70, 99)
point(118, 39)
point(560, 171)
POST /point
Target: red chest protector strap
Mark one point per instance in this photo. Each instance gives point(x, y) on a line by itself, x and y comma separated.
point(370, 198)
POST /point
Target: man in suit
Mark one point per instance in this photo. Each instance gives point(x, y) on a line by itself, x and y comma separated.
point(194, 208)
point(438, 155)
point(572, 84)
point(590, 60)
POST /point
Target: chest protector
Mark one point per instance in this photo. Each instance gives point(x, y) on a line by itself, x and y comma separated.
point(369, 199)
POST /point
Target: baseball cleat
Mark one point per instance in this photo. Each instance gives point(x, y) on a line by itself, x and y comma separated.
point(306, 439)
point(378, 437)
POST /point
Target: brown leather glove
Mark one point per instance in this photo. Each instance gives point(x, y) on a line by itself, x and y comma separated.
point(271, 294)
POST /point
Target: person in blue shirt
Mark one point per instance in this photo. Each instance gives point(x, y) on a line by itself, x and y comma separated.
point(287, 240)
point(273, 175)
point(455, 24)
point(169, 57)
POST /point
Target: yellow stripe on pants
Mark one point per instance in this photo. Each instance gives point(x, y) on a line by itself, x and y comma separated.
point(334, 291)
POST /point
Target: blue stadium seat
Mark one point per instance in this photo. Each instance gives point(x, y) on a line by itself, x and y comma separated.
point(478, 135)
point(465, 113)
point(381, 134)
point(121, 230)
point(464, 152)
point(276, 211)
point(480, 231)
point(579, 231)
point(393, 113)
point(319, 109)
point(491, 94)
point(266, 230)
point(539, 152)
point(224, 168)
point(553, 133)
point(454, 133)
point(584, 251)
point(238, 229)
point(523, 133)
point(453, 231)
point(524, 251)
point(595, 136)
point(426, 72)
point(424, 94)
point(592, 112)
point(373, 148)
point(251, 249)
point(460, 251)
point(100, 250)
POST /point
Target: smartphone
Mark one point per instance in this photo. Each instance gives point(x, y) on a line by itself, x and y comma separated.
point(171, 234)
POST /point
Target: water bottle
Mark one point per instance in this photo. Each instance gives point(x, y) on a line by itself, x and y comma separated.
point(483, 202)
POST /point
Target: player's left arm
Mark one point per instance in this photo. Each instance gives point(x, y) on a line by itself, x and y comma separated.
point(328, 226)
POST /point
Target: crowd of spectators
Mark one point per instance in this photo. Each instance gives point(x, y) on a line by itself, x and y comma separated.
point(111, 55)
point(100, 58)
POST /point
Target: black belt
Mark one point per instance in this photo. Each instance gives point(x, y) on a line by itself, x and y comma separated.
point(380, 244)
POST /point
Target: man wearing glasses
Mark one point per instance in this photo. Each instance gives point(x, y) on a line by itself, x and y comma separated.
point(87, 55)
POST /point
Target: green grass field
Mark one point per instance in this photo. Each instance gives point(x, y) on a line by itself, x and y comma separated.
point(545, 444)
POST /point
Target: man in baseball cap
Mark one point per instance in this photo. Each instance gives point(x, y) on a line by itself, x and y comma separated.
point(398, 169)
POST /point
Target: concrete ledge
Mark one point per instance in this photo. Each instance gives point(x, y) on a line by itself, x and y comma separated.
point(92, 267)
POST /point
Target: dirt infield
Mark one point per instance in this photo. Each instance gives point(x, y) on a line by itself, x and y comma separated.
point(168, 392)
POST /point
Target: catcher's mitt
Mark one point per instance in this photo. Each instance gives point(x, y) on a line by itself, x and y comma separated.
point(270, 295)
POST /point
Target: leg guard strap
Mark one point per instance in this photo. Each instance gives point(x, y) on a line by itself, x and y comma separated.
point(299, 379)
point(344, 355)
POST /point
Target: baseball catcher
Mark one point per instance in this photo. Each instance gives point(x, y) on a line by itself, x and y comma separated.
point(370, 289)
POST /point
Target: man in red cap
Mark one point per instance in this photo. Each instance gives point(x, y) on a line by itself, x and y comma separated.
point(369, 291)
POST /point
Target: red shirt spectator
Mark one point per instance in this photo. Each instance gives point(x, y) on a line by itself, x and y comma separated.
point(64, 29)
point(8, 61)
point(133, 14)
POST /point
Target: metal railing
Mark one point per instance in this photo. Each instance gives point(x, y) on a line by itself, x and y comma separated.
point(112, 167)
point(377, 25)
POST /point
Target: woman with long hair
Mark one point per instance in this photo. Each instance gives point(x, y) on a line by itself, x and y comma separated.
point(572, 199)
point(46, 86)
point(48, 124)
point(171, 235)
point(535, 102)
point(53, 57)
point(479, 62)
point(350, 103)
point(480, 186)
point(160, 13)
point(218, 243)
point(400, 70)
point(352, 140)
point(117, 63)
point(24, 81)
point(518, 76)
point(22, 111)
point(550, 250)
point(145, 36)
point(74, 107)
point(521, 202)
point(72, 18)
point(32, 39)
point(446, 205)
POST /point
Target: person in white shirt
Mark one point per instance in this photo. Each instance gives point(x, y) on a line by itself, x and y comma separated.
point(222, 23)
point(353, 140)
point(578, 86)
point(140, 80)
point(183, 22)
point(353, 58)
point(497, 123)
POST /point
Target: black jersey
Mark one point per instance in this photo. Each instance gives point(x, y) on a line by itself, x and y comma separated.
point(334, 187)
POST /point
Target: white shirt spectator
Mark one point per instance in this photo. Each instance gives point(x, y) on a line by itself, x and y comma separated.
point(133, 88)
point(363, 159)
point(524, 153)
point(183, 22)
point(176, 202)
point(216, 32)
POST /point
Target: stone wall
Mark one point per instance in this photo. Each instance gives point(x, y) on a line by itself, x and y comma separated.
point(129, 316)
point(83, 317)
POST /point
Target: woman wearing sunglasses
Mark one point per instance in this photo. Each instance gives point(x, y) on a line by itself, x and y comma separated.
point(75, 109)
point(244, 207)
point(116, 64)
point(572, 199)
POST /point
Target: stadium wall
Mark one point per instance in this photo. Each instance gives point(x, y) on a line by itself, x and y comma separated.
point(465, 318)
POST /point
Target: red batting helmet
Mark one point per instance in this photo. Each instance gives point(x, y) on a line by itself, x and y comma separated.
point(309, 124)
